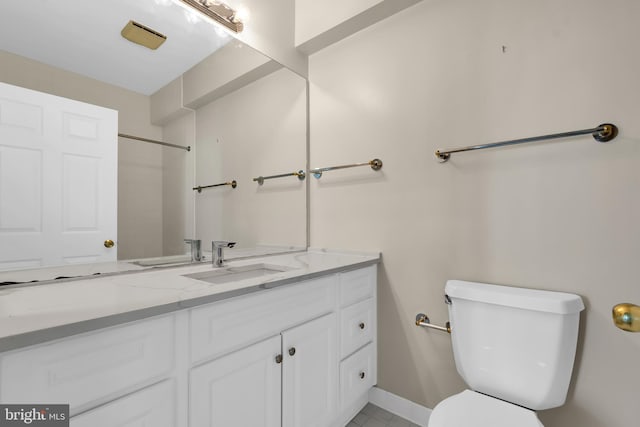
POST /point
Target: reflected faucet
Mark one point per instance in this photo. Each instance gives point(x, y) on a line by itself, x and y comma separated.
point(196, 252)
point(217, 249)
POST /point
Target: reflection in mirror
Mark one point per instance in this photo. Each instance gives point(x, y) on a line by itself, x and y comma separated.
point(243, 115)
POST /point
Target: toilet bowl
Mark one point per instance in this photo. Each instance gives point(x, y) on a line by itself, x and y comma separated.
point(515, 349)
point(473, 409)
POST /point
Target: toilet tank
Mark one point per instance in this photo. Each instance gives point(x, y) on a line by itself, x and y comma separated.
point(515, 344)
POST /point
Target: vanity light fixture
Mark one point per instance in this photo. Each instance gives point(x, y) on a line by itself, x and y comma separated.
point(218, 11)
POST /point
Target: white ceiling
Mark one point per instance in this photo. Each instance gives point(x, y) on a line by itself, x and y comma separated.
point(83, 36)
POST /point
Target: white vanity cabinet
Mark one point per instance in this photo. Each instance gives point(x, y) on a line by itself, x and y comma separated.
point(312, 344)
point(87, 370)
point(295, 355)
point(287, 380)
point(298, 326)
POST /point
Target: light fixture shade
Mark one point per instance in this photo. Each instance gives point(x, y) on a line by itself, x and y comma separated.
point(219, 12)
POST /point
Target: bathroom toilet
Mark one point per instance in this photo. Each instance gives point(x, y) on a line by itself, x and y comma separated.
point(515, 349)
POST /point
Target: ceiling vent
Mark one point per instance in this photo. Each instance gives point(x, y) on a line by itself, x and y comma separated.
point(142, 35)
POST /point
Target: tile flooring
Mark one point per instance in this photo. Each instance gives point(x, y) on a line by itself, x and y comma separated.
point(373, 416)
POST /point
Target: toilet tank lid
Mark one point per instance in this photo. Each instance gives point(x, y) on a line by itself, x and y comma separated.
point(529, 299)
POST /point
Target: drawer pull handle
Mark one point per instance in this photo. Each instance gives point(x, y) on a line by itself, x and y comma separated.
point(279, 358)
point(361, 375)
point(292, 351)
point(361, 325)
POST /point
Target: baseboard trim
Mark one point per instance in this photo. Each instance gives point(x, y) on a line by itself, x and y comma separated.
point(400, 406)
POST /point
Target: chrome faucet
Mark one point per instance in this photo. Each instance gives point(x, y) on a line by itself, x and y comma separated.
point(196, 251)
point(217, 247)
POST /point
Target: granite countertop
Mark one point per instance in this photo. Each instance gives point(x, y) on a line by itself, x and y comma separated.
point(42, 312)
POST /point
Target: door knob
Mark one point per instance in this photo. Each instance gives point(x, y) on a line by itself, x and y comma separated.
point(627, 317)
point(108, 243)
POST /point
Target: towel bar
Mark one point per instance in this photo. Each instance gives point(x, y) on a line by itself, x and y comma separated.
point(423, 320)
point(233, 184)
point(376, 165)
point(603, 133)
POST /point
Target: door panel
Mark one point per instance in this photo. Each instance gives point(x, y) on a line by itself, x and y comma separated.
point(58, 180)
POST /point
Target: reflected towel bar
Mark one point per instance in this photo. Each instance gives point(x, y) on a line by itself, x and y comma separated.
point(233, 184)
point(603, 133)
point(153, 141)
point(300, 174)
point(376, 165)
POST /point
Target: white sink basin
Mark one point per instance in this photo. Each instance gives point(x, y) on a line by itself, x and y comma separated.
point(232, 274)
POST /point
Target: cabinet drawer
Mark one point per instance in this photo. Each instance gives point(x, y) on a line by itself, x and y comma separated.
point(357, 285)
point(356, 326)
point(84, 369)
point(153, 406)
point(357, 375)
point(222, 327)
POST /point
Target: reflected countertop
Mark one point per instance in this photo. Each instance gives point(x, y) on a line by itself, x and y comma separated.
point(117, 267)
point(42, 312)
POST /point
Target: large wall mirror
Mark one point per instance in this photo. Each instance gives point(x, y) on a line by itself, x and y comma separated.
point(242, 114)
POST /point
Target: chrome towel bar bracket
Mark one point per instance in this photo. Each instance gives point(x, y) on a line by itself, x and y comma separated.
point(423, 320)
point(603, 133)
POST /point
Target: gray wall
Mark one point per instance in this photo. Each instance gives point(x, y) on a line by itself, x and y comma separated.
point(560, 216)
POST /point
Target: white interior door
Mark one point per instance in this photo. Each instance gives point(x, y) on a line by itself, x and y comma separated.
point(58, 180)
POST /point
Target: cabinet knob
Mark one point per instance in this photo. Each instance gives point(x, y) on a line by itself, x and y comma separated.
point(361, 325)
point(292, 351)
point(362, 375)
point(279, 358)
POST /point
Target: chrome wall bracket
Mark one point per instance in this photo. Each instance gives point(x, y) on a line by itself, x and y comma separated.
point(423, 321)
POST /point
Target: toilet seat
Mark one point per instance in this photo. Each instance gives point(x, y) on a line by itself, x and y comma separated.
point(472, 409)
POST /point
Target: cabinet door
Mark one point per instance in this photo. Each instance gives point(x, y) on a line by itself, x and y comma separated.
point(310, 373)
point(240, 389)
